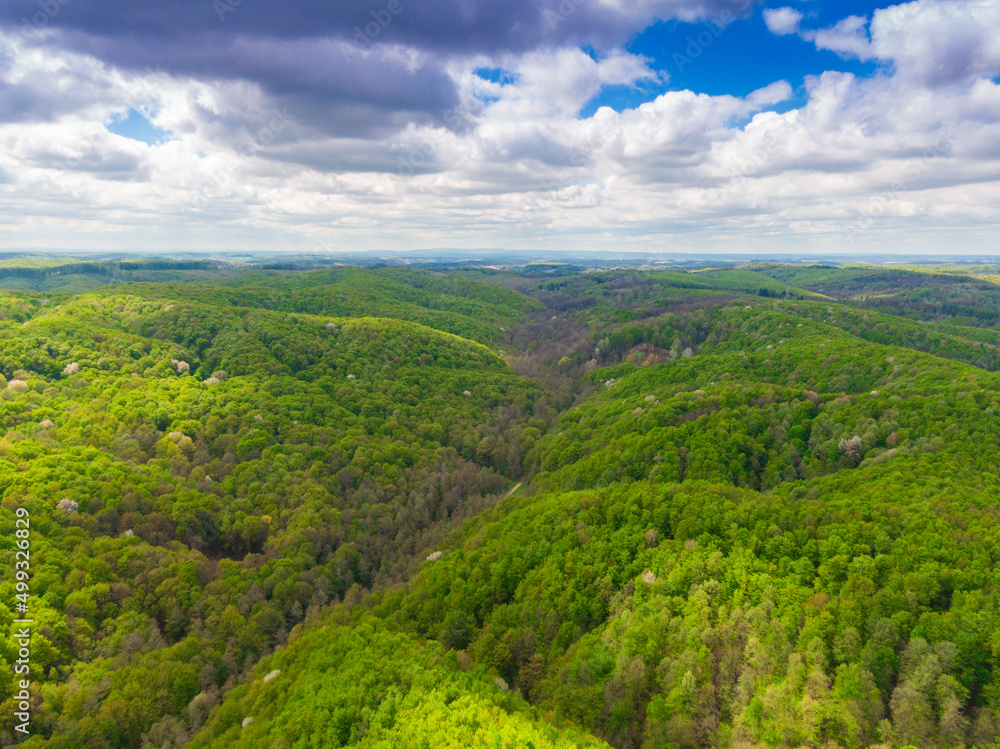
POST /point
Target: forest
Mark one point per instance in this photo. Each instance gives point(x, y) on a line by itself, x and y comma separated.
point(737, 506)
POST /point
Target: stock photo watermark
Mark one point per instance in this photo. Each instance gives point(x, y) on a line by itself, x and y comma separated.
point(738, 180)
point(423, 153)
point(562, 12)
point(138, 100)
point(225, 7)
point(696, 44)
point(877, 206)
point(579, 159)
point(40, 20)
point(91, 143)
point(365, 35)
point(325, 245)
point(21, 626)
point(223, 178)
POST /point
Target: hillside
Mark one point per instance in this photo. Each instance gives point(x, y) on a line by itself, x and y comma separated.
point(276, 510)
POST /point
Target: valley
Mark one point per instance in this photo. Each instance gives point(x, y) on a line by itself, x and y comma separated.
point(748, 505)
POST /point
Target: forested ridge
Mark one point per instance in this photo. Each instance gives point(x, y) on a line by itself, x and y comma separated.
point(757, 507)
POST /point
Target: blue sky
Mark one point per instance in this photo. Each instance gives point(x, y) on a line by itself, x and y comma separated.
point(650, 125)
point(712, 58)
point(137, 126)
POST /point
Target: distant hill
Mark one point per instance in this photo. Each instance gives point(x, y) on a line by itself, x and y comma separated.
point(497, 507)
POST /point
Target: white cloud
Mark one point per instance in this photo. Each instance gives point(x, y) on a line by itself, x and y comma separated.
point(930, 42)
point(849, 38)
point(938, 42)
point(782, 21)
point(899, 156)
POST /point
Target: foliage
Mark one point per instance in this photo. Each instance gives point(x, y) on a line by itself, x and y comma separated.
point(746, 515)
point(234, 470)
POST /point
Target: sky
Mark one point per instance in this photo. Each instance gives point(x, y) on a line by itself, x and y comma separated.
point(731, 126)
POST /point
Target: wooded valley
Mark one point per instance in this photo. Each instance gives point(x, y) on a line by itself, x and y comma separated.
point(747, 506)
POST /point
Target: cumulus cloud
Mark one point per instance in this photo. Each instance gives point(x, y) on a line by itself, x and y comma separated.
point(848, 38)
point(930, 42)
point(782, 21)
point(357, 68)
point(940, 43)
point(442, 26)
point(293, 135)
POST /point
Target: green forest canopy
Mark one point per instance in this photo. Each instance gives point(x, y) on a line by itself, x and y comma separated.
point(757, 507)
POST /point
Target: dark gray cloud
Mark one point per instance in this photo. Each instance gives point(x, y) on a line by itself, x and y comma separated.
point(356, 156)
point(286, 133)
point(338, 64)
point(325, 84)
point(93, 157)
point(43, 98)
point(25, 104)
point(463, 26)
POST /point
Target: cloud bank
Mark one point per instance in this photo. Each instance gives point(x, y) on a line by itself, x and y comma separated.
point(397, 124)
